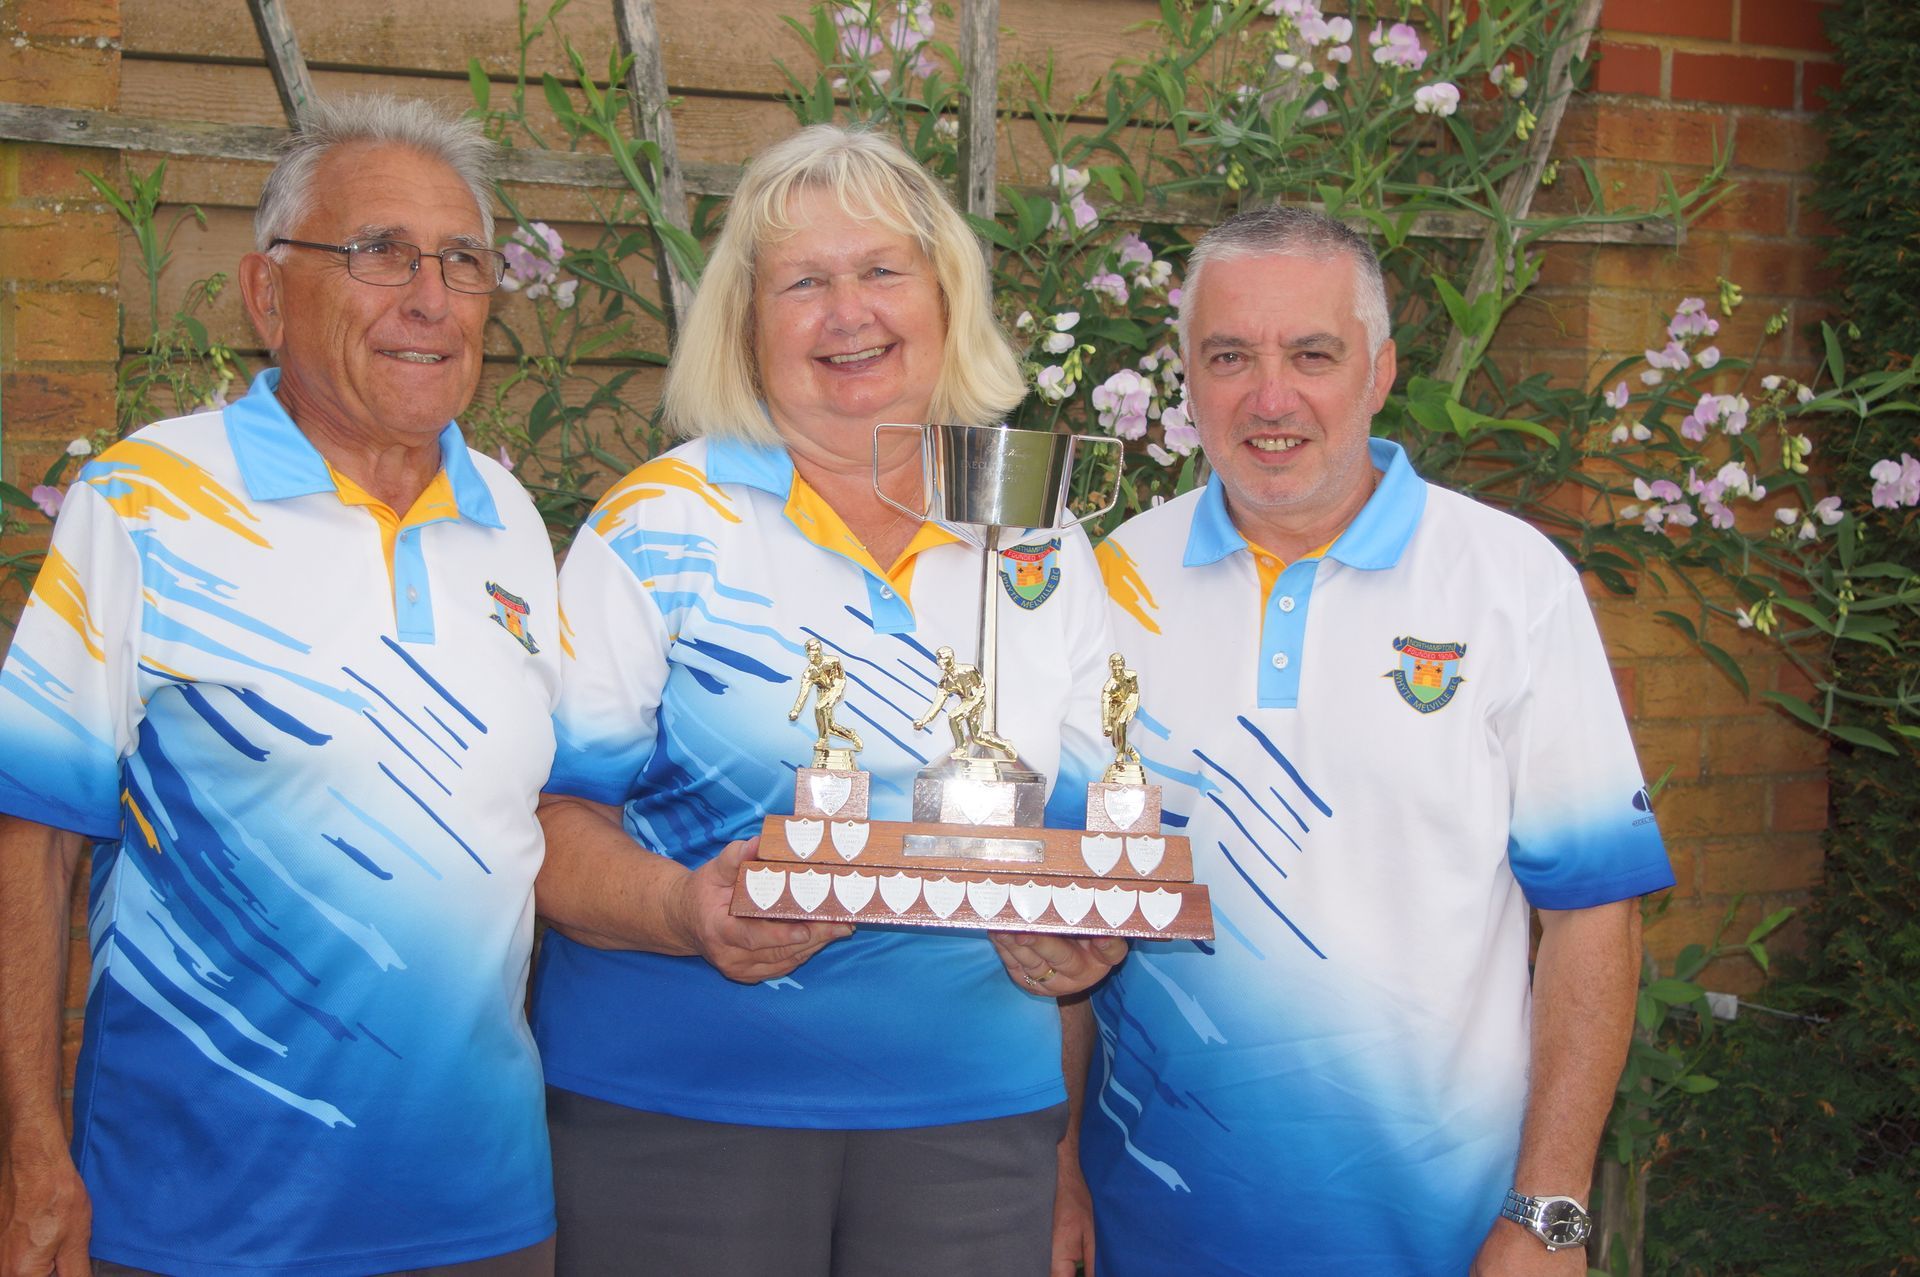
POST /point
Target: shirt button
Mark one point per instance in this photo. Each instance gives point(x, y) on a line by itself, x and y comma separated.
point(413, 594)
point(1266, 561)
point(885, 593)
point(1286, 602)
point(1279, 660)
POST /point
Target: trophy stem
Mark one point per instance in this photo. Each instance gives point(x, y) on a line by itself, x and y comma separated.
point(989, 628)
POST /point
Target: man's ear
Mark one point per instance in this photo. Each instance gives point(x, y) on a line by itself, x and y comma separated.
point(260, 294)
point(1385, 366)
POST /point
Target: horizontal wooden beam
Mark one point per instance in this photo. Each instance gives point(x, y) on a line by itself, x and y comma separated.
point(61, 126)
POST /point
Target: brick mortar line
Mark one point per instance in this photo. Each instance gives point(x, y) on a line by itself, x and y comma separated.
point(1698, 44)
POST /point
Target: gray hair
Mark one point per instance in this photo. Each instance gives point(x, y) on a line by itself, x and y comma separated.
point(1282, 231)
point(379, 120)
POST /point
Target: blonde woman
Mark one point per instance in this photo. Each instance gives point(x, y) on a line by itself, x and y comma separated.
point(732, 1096)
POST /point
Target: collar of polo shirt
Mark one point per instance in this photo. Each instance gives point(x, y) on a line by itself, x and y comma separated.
point(277, 461)
point(1372, 542)
point(770, 469)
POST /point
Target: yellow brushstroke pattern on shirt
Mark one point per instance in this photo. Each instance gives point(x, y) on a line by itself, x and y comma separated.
point(59, 589)
point(655, 479)
point(1125, 586)
point(160, 480)
point(566, 634)
point(140, 819)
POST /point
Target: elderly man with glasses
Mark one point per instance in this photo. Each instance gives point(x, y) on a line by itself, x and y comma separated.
point(290, 667)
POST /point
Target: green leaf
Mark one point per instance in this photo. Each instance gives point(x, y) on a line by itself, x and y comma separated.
point(1863, 737)
point(478, 82)
point(1648, 1012)
point(1672, 991)
point(1728, 666)
point(1695, 1084)
point(1796, 707)
point(1836, 363)
point(1680, 623)
point(991, 231)
point(557, 99)
point(1457, 308)
point(1758, 952)
point(10, 495)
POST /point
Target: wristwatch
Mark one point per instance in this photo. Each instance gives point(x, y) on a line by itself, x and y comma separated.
point(1559, 1222)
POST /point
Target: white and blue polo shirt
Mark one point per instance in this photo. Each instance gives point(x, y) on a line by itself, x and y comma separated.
point(687, 600)
point(1382, 759)
point(310, 767)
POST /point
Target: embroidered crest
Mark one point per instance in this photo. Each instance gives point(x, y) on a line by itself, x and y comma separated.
point(1031, 573)
point(510, 614)
point(1428, 674)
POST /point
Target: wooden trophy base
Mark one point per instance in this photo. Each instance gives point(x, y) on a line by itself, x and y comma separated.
point(838, 866)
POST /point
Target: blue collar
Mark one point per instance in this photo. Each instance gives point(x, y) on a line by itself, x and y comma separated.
point(758, 465)
point(278, 461)
point(1372, 541)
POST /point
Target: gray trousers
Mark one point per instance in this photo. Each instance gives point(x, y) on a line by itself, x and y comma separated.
point(643, 1194)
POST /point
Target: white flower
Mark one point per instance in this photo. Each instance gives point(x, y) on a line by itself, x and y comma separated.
point(1651, 377)
point(1024, 322)
point(1065, 320)
point(1828, 511)
point(563, 293)
point(1072, 181)
point(1708, 357)
point(1057, 343)
point(1052, 383)
point(1804, 394)
point(1770, 382)
point(1617, 397)
point(80, 448)
point(1786, 514)
point(1442, 98)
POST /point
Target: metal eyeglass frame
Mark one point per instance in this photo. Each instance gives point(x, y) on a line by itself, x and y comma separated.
point(354, 249)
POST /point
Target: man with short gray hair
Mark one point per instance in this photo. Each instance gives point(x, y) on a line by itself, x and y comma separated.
point(1382, 713)
point(290, 667)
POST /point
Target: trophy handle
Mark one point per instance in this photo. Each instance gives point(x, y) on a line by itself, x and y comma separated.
point(926, 477)
point(1119, 474)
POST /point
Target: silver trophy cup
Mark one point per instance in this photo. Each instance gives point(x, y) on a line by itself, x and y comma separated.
point(989, 478)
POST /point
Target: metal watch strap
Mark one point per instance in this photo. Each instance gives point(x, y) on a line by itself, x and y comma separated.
point(1530, 1214)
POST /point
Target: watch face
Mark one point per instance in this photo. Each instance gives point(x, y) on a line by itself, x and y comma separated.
point(1564, 1224)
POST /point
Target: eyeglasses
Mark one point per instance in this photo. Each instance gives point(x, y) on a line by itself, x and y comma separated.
point(391, 263)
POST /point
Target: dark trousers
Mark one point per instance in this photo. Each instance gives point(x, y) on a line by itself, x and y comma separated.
point(643, 1194)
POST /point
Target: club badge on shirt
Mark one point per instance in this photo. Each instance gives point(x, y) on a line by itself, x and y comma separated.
point(1031, 573)
point(1429, 672)
point(510, 614)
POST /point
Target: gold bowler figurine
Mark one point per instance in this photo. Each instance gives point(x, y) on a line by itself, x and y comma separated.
point(963, 683)
point(1119, 701)
point(828, 680)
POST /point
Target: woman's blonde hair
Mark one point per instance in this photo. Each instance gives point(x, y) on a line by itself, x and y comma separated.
point(713, 383)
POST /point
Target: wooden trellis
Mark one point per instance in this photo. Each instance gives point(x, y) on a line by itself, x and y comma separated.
point(648, 90)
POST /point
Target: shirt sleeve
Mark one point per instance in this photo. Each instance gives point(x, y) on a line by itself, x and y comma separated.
point(1083, 750)
point(69, 698)
point(613, 668)
point(1582, 831)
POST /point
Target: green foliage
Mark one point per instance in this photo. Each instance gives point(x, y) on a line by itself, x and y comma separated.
point(1809, 1165)
point(575, 409)
point(180, 370)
